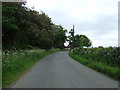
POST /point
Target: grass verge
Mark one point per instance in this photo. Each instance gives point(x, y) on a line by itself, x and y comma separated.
point(113, 72)
point(16, 63)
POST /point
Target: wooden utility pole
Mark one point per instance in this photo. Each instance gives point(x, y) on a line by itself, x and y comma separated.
point(73, 36)
point(73, 31)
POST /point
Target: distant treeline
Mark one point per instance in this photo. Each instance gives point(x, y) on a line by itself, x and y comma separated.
point(24, 28)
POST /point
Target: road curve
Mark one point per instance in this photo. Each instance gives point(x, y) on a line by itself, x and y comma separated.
point(58, 70)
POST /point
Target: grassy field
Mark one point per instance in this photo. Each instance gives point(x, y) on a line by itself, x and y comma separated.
point(113, 72)
point(15, 63)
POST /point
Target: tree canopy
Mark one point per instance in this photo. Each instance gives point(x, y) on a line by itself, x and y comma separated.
point(26, 28)
point(81, 41)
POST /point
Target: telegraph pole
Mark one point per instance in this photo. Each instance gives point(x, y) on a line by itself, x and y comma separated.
point(73, 36)
point(73, 30)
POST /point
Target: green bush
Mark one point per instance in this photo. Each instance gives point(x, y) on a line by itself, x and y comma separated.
point(110, 56)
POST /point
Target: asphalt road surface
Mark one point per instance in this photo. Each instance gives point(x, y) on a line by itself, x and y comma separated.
point(58, 70)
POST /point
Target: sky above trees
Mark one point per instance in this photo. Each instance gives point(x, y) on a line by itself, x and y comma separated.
point(97, 19)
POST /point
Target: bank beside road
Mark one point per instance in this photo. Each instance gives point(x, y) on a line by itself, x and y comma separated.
point(15, 63)
point(111, 71)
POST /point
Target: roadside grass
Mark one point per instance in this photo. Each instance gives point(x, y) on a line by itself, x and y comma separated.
point(0, 68)
point(113, 72)
point(15, 63)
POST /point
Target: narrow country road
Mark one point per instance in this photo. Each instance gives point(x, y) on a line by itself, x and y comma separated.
point(58, 70)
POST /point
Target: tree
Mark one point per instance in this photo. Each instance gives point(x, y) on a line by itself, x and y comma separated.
point(81, 41)
point(9, 25)
point(59, 34)
point(71, 38)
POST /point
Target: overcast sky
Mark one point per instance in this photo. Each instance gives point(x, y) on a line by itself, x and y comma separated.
point(97, 19)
